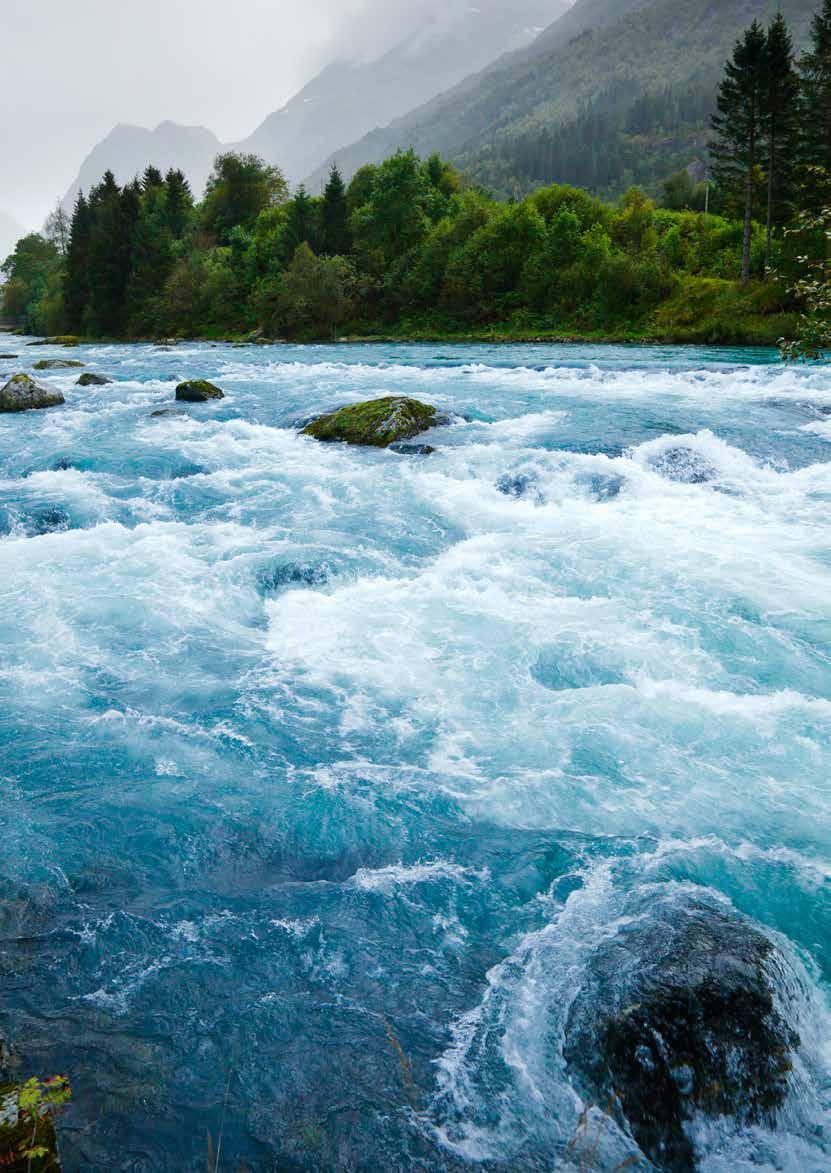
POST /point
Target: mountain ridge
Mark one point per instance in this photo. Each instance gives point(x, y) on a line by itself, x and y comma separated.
point(339, 105)
point(598, 44)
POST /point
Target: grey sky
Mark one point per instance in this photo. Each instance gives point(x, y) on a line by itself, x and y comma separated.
point(72, 71)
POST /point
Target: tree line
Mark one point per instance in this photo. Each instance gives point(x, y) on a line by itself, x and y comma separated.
point(409, 245)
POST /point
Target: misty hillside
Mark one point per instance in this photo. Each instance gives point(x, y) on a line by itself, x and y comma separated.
point(347, 100)
point(10, 233)
point(444, 43)
point(127, 150)
point(614, 92)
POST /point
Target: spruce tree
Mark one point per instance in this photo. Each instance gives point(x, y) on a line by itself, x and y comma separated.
point(179, 203)
point(780, 125)
point(76, 287)
point(301, 226)
point(152, 178)
point(115, 214)
point(738, 126)
point(336, 238)
point(815, 68)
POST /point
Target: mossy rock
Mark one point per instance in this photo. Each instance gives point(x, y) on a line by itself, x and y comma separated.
point(57, 340)
point(90, 379)
point(57, 364)
point(23, 393)
point(198, 391)
point(16, 1136)
point(376, 424)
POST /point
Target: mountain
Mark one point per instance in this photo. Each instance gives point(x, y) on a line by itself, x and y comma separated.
point(10, 233)
point(127, 150)
point(613, 92)
point(348, 99)
point(444, 42)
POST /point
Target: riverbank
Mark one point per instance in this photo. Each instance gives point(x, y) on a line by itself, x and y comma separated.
point(700, 312)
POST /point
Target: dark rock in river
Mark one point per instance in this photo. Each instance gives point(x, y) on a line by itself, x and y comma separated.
point(51, 520)
point(684, 465)
point(524, 485)
point(89, 379)
point(198, 391)
point(292, 574)
point(57, 364)
point(376, 424)
point(23, 393)
point(677, 1017)
point(412, 449)
point(8, 356)
point(166, 412)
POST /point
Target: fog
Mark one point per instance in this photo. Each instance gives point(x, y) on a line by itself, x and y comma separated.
point(73, 72)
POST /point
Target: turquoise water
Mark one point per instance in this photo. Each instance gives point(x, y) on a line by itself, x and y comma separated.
point(325, 770)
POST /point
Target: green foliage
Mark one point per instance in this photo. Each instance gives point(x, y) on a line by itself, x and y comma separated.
point(421, 253)
point(28, 1142)
point(239, 189)
point(812, 339)
point(314, 296)
point(33, 276)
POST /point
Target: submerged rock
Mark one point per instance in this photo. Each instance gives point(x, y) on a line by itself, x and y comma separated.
point(412, 449)
point(678, 1017)
point(292, 574)
point(166, 412)
point(685, 465)
point(376, 424)
point(51, 520)
point(23, 393)
point(8, 356)
point(57, 364)
point(90, 379)
point(523, 485)
point(198, 391)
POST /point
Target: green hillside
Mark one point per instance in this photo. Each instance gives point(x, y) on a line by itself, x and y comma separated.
point(611, 94)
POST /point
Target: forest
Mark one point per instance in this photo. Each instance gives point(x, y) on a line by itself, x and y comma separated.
point(412, 248)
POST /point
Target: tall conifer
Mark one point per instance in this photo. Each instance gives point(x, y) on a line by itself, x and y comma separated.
point(76, 288)
point(815, 68)
point(336, 238)
point(780, 126)
point(738, 126)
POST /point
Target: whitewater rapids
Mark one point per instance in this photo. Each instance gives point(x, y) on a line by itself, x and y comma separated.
point(326, 770)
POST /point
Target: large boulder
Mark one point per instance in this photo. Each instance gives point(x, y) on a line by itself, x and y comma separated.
point(198, 391)
point(23, 393)
point(677, 1018)
point(57, 364)
point(376, 424)
point(90, 379)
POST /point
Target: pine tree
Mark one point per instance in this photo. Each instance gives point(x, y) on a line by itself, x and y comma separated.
point(179, 203)
point(152, 178)
point(780, 125)
point(738, 126)
point(152, 262)
point(76, 288)
point(115, 214)
point(301, 226)
point(336, 238)
point(815, 68)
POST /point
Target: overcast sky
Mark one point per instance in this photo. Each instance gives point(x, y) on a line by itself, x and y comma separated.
point(74, 70)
